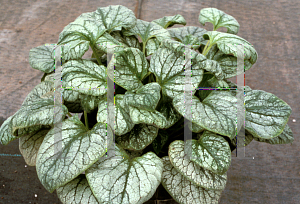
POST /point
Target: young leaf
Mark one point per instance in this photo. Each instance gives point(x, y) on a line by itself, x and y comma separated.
point(227, 43)
point(285, 137)
point(42, 58)
point(88, 77)
point(147, 30)
point(114, 18)
point(216, 158)
point(130, 41)
point(181, 33)
point(183, 190)
point(76, 191)
point(216, 113)
point(80, 148)
point(138, 138)
point(169, 21)
point(219, 19)
point(123, 123)
point(118, 178)
point(29, 145)
point(197, 174)
point(146, 97)
point(131, 66)
point(266, 114)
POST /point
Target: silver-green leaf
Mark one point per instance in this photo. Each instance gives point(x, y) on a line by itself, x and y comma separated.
point(42, 58)
point(147, 30)
point(194, 172)
point(76, 191)
point(169, 21)
point(114, 18)
point(217, 112)
point(146, 97)
point(266, 114)
point(227, 43)
point(117, 178)
point(5, 132)
point(123, 123)
point(285, 137)
point(219, 19)
point(29, 145)
point(148, 117)
point(131, 66)
point(86, 76)
point(80, 148)
point(138, 138)
point(169, 69)
point(211, 152)
point(181, 33)
point(183, 190)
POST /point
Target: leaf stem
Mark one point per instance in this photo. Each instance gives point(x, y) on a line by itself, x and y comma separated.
point(86, 120)
point(96, 55)
point(69, 114)
point(144, 48)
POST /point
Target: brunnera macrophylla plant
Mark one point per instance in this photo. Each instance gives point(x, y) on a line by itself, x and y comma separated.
point(145, 147)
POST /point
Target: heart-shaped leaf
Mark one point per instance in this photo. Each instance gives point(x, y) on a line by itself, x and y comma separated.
point(216, 157)
point(86, 76)
point(181, 34)
point(285, 137)
point(43, 90)
point(194, 172)
point(78, 35)
point(198, 61)
point(29, 145)
point(76, 191)
point(228, 63)
point(131, 66)
point(148, 117)
point(227, 43)
point(266, 114)
point(219, 19)
point(146, 97)
point(37, 110)
point(121, 179)
point(217, 112)
point(169, 69)
point(138, 138)
point(183, 190)
point(169, 21)
point(147, 30)
point(42, 58)
point(114, 18)
point(80, 148)
point(123, 123)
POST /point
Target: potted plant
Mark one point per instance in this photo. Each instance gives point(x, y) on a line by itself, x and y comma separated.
point(121, 149)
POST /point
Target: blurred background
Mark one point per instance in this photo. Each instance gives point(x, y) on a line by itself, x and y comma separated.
point(272, 26)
